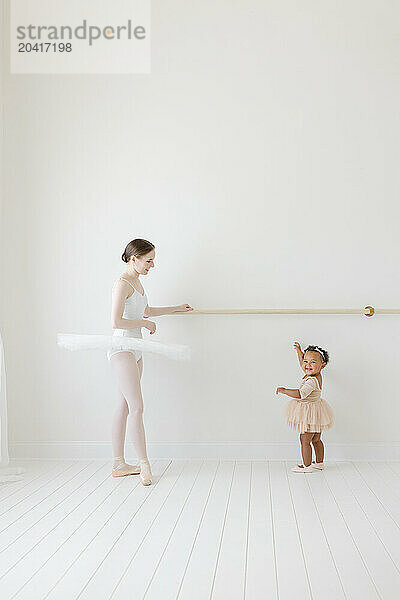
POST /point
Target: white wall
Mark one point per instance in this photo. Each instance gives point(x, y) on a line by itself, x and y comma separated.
point(260, 156)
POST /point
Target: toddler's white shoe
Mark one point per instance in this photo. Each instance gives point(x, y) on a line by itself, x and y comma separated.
point(319, 466)
point(303, 469)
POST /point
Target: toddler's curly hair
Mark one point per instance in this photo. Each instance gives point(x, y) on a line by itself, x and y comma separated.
point(323, 352)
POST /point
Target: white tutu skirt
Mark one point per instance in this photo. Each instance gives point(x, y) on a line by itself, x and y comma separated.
point(77, 341)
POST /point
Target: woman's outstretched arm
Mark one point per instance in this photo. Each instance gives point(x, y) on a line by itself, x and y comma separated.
point(157, 311)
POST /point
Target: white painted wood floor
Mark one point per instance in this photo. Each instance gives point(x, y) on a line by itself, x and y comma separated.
point(205, 530)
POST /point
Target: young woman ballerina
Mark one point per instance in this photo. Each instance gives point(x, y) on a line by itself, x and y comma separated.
point(128, 314)
point(308, 413)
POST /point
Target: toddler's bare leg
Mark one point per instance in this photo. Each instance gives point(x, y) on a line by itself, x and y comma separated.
point(318, 447)
point(306, 452)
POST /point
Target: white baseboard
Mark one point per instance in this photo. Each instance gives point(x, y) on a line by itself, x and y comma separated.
point(203, 450)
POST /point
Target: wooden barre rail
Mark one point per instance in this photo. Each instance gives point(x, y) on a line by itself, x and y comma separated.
point(368, 311)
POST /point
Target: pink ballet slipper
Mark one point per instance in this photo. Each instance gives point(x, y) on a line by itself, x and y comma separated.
point(123, 469)
point(146, 476)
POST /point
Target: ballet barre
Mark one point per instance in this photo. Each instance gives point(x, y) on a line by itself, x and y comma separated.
point(368, 311)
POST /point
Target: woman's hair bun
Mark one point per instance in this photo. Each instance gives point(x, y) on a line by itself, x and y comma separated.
point(137, 248)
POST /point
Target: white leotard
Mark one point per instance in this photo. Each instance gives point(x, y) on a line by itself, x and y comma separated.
point(134, 310)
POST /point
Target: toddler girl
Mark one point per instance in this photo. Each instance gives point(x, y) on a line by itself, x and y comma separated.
point(308, 413)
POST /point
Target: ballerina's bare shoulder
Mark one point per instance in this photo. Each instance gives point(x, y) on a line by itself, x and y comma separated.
point(127, 287)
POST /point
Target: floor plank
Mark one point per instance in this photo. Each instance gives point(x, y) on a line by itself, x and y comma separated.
point(96, 571)
point(261, 580)
point(170, 571)
point(40, 543)
point(199, 576)
point(205, 530)
point(384, 525)
point(33, 470)
point(325, 581)
point(230, 572)
point(36, 489)
point(71, 560)
point(380, 565)
point(151, 549)
point(27, 514)
point(289, 548)
point(355, 576)
point(387, 494)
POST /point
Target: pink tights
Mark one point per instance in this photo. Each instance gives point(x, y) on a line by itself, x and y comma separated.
point(130, 403)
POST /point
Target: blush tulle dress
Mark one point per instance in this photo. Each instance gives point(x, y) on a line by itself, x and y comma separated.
point(310, 413)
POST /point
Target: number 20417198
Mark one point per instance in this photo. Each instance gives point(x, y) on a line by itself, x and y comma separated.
point(45, 47)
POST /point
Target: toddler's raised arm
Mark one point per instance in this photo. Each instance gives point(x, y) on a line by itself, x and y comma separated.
point(300, 354)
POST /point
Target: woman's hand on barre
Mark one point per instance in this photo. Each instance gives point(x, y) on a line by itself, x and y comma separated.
point(183, 308)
